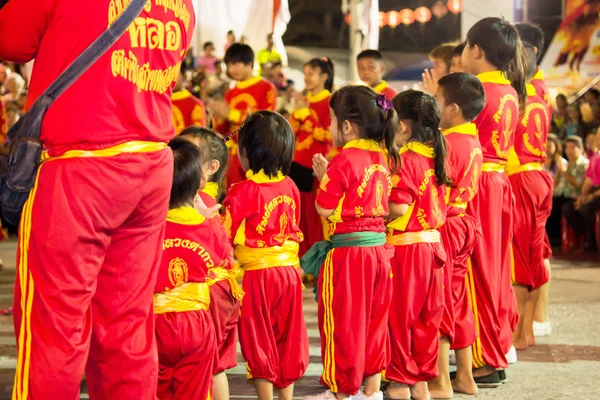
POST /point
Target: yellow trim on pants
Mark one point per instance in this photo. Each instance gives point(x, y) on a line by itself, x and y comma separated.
point(478, 361)
point(329, 324)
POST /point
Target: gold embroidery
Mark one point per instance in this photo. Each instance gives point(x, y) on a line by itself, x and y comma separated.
point(178, 120)
point(178, 272)
point(227, 222)
point(283, 222)
point(359, 212)
point(429, 173)
point(368, 173)
point(378, 209)
point(268, 208)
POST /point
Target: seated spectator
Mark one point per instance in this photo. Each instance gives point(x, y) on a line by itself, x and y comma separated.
point(554, 151)
point(285, 100)
point(590, 145)
point(592, 97)
point(14, 85)
point(12, 113)
point(22, 100)
point(574, 125)
point(206, 62)
point(559, 115)
point(567, 186)
point(218, 81)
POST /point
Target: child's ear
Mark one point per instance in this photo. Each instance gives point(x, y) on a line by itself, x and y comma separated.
point(477, 52)
point(213, 167)
point(347, 128)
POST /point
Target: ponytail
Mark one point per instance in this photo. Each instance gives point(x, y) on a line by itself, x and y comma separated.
point(325, 65)
point(390, 128)
point(516, 73)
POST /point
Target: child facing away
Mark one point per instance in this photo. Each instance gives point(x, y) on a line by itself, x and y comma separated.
point(355, 263)
point(185, 335)
point(371, 69)
point(461, 98)
point(262, 216)
point(418, 211)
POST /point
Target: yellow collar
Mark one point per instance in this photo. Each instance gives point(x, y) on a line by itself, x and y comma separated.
point(418, 148)
point(211, 189)
point(185, 216)
point(249, 82)
point(463, 129)
point(261, 177)
point(363, 144)
point(494, 77)
point(318, 97)
point(182, 94)
point(539, 75)
point(382, 85)
point(530, 90)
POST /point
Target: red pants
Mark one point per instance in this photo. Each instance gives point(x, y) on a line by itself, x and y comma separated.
point(89, 247)
point(187, 354)
point(494, 302)
point(459, 236)
point(310, 222)
point(273, 333)
point(355, 290)
point(235, 172)
point(416, 312)
point(225, 312)
point(533, 204)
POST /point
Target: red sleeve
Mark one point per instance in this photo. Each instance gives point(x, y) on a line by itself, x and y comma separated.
point(271, 98)
point(22, 25)
point(405, 191)
point(305, 122)
point(199, 114)
point(333, 185)
point(235, 211)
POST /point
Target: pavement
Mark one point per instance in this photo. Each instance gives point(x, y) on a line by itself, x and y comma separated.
point(565, 365)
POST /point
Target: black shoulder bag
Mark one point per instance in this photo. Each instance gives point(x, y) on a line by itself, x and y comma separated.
point(21, 166)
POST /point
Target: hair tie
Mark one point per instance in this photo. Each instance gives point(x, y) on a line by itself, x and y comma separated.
point(232, 134)
point(384, 103)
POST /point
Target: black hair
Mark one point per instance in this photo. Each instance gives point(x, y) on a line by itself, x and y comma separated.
point(216, 63)
point(212, 147)
point(238, 52)
point(325, 65)
point(422, 112)
point(230, 33)
point(187, 172)
point(503, 48)
point(532, 34)
point(276, 64)
point(576, 140)
point(207, 44)
point(561, 96)
point(531, 59)
point(358, 105)
point(595, 92)
point(372, 54)
point(464, 90)
point(458, 50)
point(266, 139)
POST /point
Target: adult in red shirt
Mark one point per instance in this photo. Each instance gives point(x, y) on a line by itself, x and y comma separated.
point(91, 232)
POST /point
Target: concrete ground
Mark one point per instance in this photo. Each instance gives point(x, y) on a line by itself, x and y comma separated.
point(565, 365)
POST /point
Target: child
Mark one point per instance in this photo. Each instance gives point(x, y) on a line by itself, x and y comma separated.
point(310, 122)
point(262, 216)
point(494, 53)
point(188, 110)
point(532, 187)
point(185, 335)
point(456, 64)
point(417, 206)
point(462, 98)
point(354, 282)
point(441, 57)
point(207, 61)
point(251, 93)
point(534, 36)
point(371, 70)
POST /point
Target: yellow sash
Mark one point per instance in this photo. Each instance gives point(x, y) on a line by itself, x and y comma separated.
point(127, 147)
point(191, 296)
point(406, 238)
point(252, 259)
point(461, 204)
point(229, 275)
point(492, 167)
point(532, 166)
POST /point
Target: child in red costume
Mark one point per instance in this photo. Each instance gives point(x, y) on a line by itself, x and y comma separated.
point(262, 216)
point(310, 122)
point(418, 209)
point(187, 349)
point(491, 53)
point(371, 69)
point(533, 189)
point(461, 98)
point(355, 263)
point(250, 94)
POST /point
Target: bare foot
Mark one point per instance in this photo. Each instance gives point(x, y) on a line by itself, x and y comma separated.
point(440, 388)
point(420, 391)
point(398, 391)
point(520, 343)
point(463, 386)
point(531, 340)
point(483, 371)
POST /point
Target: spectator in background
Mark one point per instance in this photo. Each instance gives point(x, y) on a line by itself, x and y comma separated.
point(591, 148)
point(12, 113)
point(218, 81)
point(243, 39)
point(230, 40)
point(554, 151)
point(560, 114)
point(268, 54)
point(4, 73)
point(592, 97)
point(456, 64)
point(285, 100)
point(22, 100)
point(14, 85)
point(574, 125)
point(207, 61)
point(441, 57)
point(277, 76)
point(567, 186)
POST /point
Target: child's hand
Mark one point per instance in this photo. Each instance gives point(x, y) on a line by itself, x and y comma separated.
point(299, 101)
point(203, 209)
point(218, 108)
point(430, 81)
point(319, 166)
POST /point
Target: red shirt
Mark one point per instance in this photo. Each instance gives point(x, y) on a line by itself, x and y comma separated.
point(464, 158)
point(497, 122)
point(311, 126)
point(263, 211)
point(192, 246)
point(209, 197)
point(126, 94)
point(416, 187)
point(532, 132)
point(386, 90)
point(356, 186)
point(188, 110)
point(541, 89)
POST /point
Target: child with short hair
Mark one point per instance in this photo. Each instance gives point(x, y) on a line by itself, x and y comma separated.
point(355, 263)
point(262, 217)
point(418, 211)
point(461, 98)
point(371, 69)
point(456, 64)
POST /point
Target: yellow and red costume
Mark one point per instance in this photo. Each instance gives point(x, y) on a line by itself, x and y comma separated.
point(254, 94)
point(533, 188)
point(209, 197)
point(494, 302)
point(460, 233)
point(418, 297)
point(311, 126)
point(91, 231)
point(355, 340)
point(386, 90)
point(541, 89)
point(185, 335)
point(262, 215)
point(188, 110)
